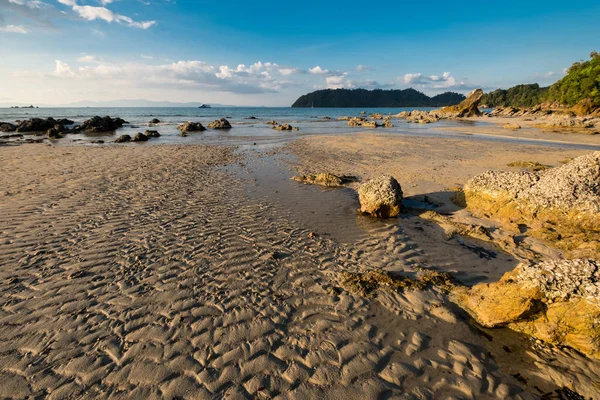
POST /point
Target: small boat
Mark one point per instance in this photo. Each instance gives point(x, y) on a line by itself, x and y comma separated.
point(205, 106)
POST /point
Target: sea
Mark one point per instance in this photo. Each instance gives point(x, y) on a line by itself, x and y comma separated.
point(245, 131)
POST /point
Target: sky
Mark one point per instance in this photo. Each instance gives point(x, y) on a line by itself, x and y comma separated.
point(268, 53)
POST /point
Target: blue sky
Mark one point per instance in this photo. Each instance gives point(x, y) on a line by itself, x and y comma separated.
point(269, 53)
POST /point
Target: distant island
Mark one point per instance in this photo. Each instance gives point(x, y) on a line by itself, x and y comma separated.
point(375, 98)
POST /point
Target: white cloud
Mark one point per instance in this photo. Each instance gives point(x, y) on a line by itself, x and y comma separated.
point(14, 29)
point(91, 13)
point(339, 82)
point(364, 68)
point(88, 59)
point(445, 81)
point(318, 71)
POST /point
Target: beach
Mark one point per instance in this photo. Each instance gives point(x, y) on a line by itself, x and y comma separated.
point(203, 271)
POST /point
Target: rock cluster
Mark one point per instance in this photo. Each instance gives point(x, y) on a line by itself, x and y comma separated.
point(152, 133)
point(220, 124)
point(284, 127)
point(102, 124)
point(191, 127)
point(362, 122)
point(381, 197)
point(555, 301)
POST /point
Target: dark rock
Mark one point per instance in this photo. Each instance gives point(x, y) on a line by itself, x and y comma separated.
point(220, 124)
point(64, 121)
point(54, 133)
point(155, 121)
point(284, 127)
point(253, 117)
point(140, 137)
point(123, 139)
point(7, 127)
point(102, 124)
point(191, 127)
point(97, 141)
point(36, 125)
point(152, 134)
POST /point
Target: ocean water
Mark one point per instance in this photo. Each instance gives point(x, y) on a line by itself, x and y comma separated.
point(310, 121)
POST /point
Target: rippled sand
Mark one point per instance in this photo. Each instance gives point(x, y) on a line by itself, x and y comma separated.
point(166, 271)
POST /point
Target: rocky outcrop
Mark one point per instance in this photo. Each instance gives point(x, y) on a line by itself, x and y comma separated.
point(123, 139)
point(555, 301)
point(102, 124)
point(140, 137)
point(560, 205)
point(467, 108)
point(151, 133)
point(191, 127)
point(584, 108)
point(55, 132)
point(381, 197)
point(220, 124)
point(36, 125)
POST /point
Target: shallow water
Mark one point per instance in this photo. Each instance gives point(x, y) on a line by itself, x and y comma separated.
point(249, 131)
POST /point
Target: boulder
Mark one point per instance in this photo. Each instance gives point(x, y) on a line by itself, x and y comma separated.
point(191, 127)
point(388, 124)
point(362, 122)
point(381, 197)
point(557, 301)
point(220, 124)
point(123, 139)
point(376, 116)
point(7, 127)
point(467, 108)
point(272, 122)
point(155, 121)
point(252, 117)
point(140, 137)
point(152, 134)
point(102, 124)
point(65, 121)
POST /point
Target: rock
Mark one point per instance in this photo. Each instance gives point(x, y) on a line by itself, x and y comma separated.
point(102, 124)
point(36, 125)
point(381, 197)
point(560, 205)
point(284, 127)
point(325, 179)
point(376, 116)
point(97, 141)
point(7, 127)
point(155, 121)
point(65, 121)
point(556, 301)
point(512, 126)
point(272, 123)
point(152, 134)
point(140, 137)
point(191, 127)
point(252, 117)
point(362, 122)
point(467, 108)
point(328, 118)
point(54, 133)
point(346, 118)
point(220, 124)
point(123, 139)
point(388, 124)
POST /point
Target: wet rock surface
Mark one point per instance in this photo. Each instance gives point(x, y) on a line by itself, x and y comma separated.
point(191, 127)
point(325, 179)
point(220, 124)
point(102, 124)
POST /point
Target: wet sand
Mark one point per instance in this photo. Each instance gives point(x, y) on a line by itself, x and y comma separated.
point(179, 271)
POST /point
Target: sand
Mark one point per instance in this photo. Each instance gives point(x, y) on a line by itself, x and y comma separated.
point(157, 271)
